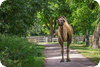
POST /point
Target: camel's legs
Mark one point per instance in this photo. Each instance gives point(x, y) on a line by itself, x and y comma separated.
point(62, 50)
point(68, 59)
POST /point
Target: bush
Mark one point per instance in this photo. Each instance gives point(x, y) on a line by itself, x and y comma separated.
point(18, 52)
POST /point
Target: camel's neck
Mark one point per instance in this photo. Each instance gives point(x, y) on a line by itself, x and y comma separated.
point(61, 32)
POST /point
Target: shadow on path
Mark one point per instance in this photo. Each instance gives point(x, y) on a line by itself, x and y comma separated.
point(52, 54)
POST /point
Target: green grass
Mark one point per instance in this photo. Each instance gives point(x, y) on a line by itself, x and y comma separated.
point(18, 52)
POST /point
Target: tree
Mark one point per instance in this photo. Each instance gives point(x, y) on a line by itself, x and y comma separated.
point(95, 37)
point(51, 12)
point(18, 15)
point(36, 30)
point(96, 34)
point(84, 14)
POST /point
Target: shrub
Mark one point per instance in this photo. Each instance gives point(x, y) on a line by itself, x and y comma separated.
point(18, 52)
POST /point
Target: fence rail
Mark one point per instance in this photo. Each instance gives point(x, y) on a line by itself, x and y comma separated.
point(54, 39)
point(46, 38)
point(38, 39)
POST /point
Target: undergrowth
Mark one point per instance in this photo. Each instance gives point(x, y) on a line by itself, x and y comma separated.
point(18, 52)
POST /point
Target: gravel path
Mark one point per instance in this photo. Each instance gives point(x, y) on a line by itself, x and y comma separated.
point(52, 54)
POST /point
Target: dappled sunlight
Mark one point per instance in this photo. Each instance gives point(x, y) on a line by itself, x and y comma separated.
point(53, 57)
point(53, 47)
point(58, 57)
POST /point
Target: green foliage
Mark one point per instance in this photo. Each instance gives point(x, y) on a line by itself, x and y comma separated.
point(18, 52)
point(83, 15)
point(38, 30)
point(79, 13)
point(50, 13)
point(96, 22)
point(18, 15)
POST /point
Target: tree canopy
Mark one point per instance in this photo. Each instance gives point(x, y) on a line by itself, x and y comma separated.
point(18, 16)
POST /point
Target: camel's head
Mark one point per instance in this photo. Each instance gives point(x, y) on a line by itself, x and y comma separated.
point(60, 21)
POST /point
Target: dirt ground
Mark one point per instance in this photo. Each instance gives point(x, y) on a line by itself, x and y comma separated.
point(52, 54)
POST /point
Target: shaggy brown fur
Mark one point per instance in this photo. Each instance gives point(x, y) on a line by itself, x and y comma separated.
point(65, 32)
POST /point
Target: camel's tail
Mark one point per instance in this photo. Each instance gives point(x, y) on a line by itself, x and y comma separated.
point(55, 33)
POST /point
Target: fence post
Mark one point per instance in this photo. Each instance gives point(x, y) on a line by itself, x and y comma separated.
point(38, 38)
point(52, 39)
point(46, 39)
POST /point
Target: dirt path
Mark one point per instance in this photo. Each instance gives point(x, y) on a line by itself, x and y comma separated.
point(52, 54)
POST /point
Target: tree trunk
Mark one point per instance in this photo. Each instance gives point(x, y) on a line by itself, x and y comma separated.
point(87, 37)
point(92, 40)
point(55, 27)
point(95, 40)
point(47, 26)
point(84, 36)
point(51, 31)
point(95, 37)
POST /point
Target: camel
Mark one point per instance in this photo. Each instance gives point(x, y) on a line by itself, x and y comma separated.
point(65, 33)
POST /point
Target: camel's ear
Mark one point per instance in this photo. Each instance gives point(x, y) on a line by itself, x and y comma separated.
point(57, 21)
point(63, 20)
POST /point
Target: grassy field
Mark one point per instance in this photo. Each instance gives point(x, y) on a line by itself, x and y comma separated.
point(88, 52)
point(18, 52)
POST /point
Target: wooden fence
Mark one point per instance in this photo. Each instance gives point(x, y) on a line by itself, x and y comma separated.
point(54, 39)
point(41, 39)
point(38, 39)
point(47, 39)
point(80, 38)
